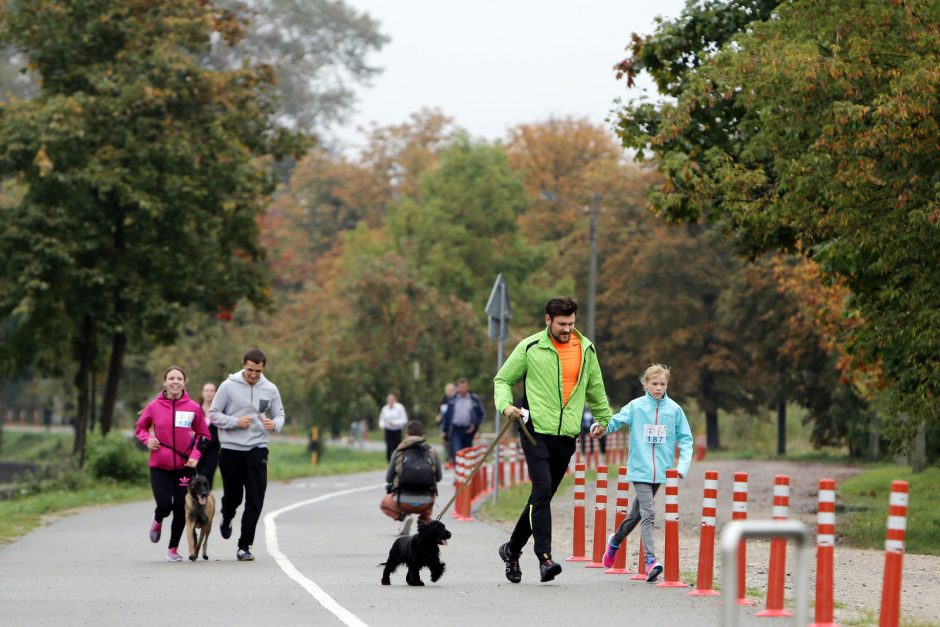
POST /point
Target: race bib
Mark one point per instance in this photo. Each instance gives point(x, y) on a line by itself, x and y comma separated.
point(184, 419)
point(654, 434)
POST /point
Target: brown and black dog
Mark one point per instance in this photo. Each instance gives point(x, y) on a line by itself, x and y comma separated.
point(200, 509)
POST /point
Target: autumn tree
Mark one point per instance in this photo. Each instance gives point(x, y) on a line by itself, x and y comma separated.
point(141, 182)
point(811, 127)
point(661, 305)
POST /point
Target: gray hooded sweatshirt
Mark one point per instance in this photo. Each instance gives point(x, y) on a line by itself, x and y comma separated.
point(235, 398)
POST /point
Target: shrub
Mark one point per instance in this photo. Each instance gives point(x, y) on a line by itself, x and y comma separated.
point(116, 458)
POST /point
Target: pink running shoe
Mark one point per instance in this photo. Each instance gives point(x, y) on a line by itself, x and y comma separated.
point(653, 569)
point(611, 553)
point(173, 555)
point(155, 528)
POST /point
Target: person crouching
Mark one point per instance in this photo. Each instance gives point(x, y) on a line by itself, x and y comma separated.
point(413, 473)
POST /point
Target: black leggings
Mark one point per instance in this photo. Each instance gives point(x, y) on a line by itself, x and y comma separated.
point(169, 491)
point(210, 457)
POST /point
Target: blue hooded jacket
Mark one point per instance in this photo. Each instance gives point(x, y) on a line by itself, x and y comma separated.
point(655, 428)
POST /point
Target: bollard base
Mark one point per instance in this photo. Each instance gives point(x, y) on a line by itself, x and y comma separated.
point(576, 558)
point(824, 625)
point(703, 593)
point(618, 571)
point(745, 602)
point(672, 584)
point(773, 614)
point(594, 565)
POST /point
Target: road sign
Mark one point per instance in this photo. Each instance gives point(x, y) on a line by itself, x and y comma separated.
point(498, 310)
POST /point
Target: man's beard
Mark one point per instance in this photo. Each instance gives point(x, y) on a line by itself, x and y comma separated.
point(561, 340)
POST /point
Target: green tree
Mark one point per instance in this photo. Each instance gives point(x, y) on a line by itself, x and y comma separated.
point(812, 132)
point(460, 228)
point(318, 50)
point(142, 182)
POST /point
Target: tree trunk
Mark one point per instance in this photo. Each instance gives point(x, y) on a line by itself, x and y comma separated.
point(93, 400)
point(118, 346)
point(711, 429)
point(3, 410)
point(919, 457)
point(874, 438)
point(85, 347)
point(781, 427)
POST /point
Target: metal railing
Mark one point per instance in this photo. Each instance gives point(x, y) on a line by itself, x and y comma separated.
point(731, 537)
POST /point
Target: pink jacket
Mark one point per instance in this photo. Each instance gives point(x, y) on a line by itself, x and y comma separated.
point(162, 414)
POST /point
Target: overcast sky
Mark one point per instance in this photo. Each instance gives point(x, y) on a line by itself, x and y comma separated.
point(492, 64)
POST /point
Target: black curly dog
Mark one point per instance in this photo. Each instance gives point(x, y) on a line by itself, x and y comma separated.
point(418, 551)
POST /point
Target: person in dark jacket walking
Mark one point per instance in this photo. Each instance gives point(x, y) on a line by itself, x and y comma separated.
point(170, 426)
point(462, 418)
point(247, 408)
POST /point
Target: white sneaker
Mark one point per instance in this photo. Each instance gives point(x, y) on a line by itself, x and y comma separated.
point(406, 526)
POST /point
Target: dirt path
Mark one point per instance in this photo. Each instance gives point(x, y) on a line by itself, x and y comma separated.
point(858, 572)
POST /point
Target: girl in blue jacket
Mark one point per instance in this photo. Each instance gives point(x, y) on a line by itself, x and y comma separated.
point(656, 424)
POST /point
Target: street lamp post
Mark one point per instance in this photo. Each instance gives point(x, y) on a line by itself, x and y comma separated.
point(593, 212)
point(592, 271)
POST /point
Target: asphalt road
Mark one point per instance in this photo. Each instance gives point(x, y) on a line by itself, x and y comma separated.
point(318, 552)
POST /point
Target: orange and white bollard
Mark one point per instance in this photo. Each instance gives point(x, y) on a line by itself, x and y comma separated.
point(577, 541)
point(894, 555)
point(706, 547)
point(460, 472)
point(641, 565)
point(600, 519)
point(825, 547)
point(701, 447)
point(620, 561)
point(777, 573)
point(739, 512)
point(671, 566)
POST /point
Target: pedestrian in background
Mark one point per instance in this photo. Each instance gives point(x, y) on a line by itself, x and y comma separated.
point(559, 370)
point(462, 418)
point(657, 423)
point(177, 424)
point(392, 419)
point(210, 456)
point(247, 408)
point(587, 442)
point(449, 390)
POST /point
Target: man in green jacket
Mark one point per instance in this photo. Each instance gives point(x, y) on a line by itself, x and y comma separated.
point(560, 372)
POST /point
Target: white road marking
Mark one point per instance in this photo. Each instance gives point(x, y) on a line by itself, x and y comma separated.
point(270, 539)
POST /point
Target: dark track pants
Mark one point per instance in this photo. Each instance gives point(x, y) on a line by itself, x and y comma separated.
point(244, 474)
point(547, 462)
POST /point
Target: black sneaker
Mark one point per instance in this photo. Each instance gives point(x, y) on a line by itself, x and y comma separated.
point(244, 555)
point(549, 569)
point(225, 528)
point(513, 572)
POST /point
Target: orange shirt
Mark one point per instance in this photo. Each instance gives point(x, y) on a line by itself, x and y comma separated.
point(570, 355)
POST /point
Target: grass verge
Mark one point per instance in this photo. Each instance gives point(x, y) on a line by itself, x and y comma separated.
point(865, 498)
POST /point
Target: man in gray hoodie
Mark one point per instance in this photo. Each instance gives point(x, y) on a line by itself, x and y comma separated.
point(246, 408)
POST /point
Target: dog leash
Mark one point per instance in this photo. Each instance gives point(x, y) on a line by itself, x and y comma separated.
point(466, 481)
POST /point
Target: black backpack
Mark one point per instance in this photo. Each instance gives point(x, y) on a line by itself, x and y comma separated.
point(418, 474)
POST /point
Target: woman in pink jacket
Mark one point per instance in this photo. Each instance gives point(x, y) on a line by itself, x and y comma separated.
point(170, 426)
